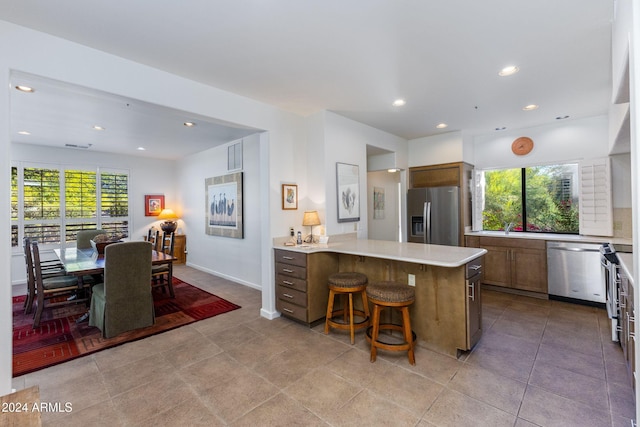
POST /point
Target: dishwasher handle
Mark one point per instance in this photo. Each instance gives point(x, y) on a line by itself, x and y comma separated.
point(572, 249)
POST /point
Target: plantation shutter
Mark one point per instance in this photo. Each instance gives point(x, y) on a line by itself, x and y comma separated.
point(114, 197)
point(596, 210)
point(41, 204)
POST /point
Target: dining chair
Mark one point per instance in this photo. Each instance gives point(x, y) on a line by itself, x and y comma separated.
point(49, 288)
point(83, 238)
point(153, 236)
point(123, 302)
point(162, 274)
point(49, 268)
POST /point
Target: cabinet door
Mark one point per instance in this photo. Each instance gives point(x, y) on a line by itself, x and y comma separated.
point(497, 270)
point(474, 311)
point(529, 269)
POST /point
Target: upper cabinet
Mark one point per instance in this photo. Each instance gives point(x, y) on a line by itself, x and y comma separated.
point(619, 120)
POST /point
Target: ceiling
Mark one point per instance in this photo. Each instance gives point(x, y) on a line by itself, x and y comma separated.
point(353, 58)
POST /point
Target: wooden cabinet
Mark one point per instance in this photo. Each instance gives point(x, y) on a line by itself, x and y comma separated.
point(301, 284)
point(627, 323)
point(513, 263)
point(455, 174)
point(180, 248)
point(474, 301)
point(447, 313)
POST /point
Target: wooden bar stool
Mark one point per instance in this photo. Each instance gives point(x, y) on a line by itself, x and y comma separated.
point(391, 295)
point(347, 284)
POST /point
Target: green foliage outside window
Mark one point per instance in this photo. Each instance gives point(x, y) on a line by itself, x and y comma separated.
point(48, 218)
point(548, 203)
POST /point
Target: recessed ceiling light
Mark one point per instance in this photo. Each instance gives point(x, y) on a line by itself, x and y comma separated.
point(96, 127)
point(392, 170)
point(24, 132)
point(530, 107)
point(441, 125)
point(399, 102)
point(189, 124)
point(25, 88)
point(141, 149)
point(501, 128)
point(509, 70)
point(562, 117)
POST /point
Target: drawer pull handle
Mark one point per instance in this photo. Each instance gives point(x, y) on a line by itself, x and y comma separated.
point(287, 258)
point(287, 295)
point(287, 310)
point(286, 282)
point(286, 270)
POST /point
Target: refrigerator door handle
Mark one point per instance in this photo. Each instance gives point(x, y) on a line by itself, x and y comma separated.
point(427, 222)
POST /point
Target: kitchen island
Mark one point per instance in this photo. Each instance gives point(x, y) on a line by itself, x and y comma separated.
point(446, 315)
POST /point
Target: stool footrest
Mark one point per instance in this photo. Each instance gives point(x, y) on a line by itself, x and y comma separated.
point(345, 325)
point(391, 346)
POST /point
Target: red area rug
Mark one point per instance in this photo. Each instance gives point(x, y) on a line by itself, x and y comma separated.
point(60, 339)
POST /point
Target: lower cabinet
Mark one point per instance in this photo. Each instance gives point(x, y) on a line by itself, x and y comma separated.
point(301, 284)
point(513, 263)
point(474, 301)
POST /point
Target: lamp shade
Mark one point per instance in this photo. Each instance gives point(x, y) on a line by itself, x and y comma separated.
point(167, 214)
point(311, 218)
point(169, 225)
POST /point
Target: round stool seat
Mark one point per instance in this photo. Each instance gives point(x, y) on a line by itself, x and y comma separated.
point(397, 296)
point(347, 284)
point(347, 280)
point(391, 292)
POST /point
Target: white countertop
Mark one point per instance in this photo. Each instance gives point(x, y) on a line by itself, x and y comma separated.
point(551, 236)
point(442, 256)
point(626, 262)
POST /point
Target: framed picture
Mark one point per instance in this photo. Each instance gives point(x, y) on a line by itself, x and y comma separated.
point(289, 196)
point(153, 204)
point(348, 192)
point(223, 201)
point(378, 203)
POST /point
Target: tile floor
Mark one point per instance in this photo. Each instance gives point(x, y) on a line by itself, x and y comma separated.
point(539, 363)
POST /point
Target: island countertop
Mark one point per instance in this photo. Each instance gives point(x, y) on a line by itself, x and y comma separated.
point(438, 255)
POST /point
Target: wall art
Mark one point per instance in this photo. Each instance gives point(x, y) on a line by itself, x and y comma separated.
point(348, 192)
point(224, 206)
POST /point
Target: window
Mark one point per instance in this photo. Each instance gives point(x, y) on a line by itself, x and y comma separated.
point(535, 199)
point(52, 204)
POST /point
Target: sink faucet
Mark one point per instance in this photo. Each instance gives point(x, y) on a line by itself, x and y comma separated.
point(507, 227)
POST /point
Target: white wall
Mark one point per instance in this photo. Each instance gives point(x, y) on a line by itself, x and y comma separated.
point(236, 259)
point(434, 150)
point(385, 228)
point(567, 140)
point(346, 141)
point(144, 178)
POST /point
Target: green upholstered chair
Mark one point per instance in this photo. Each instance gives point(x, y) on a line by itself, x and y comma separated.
point(83, 238)
point(124, 301)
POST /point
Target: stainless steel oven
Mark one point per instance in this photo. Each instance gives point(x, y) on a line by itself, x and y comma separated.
point(609, 266)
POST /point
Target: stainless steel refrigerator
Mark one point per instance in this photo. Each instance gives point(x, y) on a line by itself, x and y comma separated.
point(433, 215)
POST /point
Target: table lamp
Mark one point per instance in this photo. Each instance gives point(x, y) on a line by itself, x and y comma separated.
point(310, 218)
point(170, 220)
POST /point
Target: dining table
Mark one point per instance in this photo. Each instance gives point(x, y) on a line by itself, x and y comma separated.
point(88, 262)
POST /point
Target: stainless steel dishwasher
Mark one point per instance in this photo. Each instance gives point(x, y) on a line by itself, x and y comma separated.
point(574, 271)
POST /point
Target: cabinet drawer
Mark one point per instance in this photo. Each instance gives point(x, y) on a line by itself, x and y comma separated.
point(291, 270)
point(291, 282)
point(291, 310)
point(290, 257)
point(291, 295)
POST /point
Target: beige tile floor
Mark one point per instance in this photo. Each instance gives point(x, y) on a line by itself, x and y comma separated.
point(539, 362)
